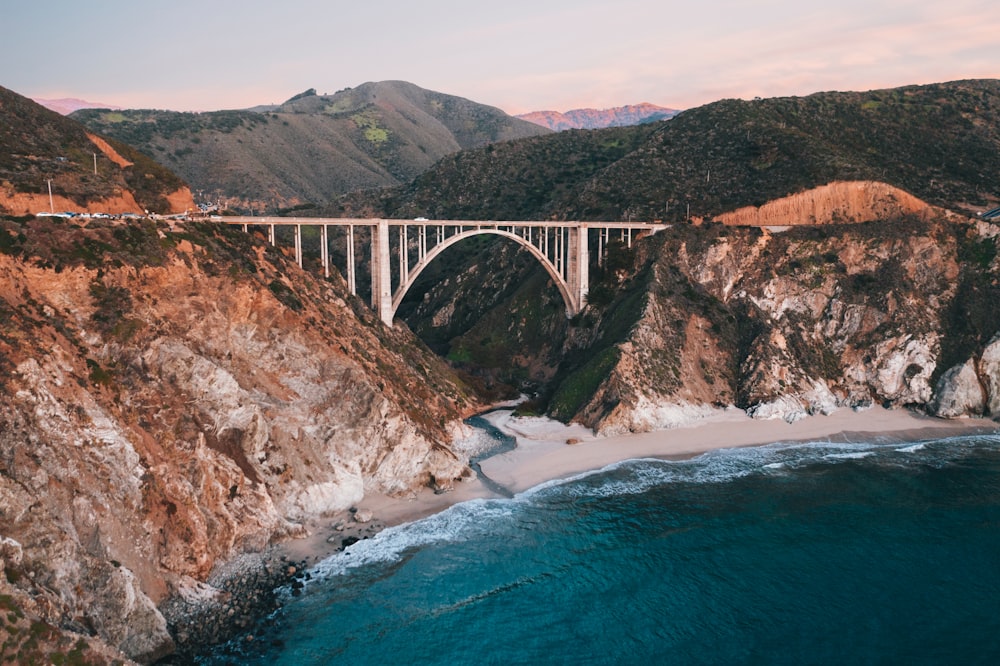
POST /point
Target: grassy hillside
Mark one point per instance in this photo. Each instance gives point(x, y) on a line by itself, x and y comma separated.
point(38, 145)
point(312, 147)
point(939, 142)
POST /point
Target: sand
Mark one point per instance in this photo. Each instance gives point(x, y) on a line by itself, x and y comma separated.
point(547, 450)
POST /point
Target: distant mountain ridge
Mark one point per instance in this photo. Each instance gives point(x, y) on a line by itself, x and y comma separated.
point(67, 105)
point(312, 147)
point(620, 116)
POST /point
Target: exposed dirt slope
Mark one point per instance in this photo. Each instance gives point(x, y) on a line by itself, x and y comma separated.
point(839, 202)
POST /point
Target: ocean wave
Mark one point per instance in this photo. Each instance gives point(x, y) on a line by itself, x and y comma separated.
point(456, 522)
point(637, 476)
point(913, 448)
point(856, 455)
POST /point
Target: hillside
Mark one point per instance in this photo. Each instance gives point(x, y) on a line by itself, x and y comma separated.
point(940, 143)
point(620, 116)
point(313, 147)
point(38, 145)
point(875, 167)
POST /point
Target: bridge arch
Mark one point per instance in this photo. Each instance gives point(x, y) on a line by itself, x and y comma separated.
point(572, 307)
point(562, 248)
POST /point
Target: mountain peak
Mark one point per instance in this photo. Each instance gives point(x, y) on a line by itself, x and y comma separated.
point(67, 105)
point(619, 116)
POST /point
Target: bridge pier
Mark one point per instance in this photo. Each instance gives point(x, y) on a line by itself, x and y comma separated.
point(381, 275)
point(578, 268)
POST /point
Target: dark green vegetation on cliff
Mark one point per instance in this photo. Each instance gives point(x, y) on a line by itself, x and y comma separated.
point(38, 145)
point(938, 142)
point(312, 147)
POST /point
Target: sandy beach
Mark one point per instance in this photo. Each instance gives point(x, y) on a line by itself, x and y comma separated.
point(548, 450)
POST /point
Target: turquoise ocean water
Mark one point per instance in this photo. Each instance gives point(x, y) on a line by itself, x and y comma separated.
point(865, 553)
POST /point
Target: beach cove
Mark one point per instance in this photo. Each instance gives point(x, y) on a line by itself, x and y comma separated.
point(547, 450)
point(733, 541)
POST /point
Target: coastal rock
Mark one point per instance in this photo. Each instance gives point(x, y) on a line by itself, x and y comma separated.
point(126, 617)
point(11, 552)
point(363, 516)
point(787, 408)
point(989, 373)
point(959, 393)
point(195, 398)
point(790, 322)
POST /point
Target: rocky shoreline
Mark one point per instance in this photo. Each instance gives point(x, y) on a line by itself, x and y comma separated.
point(236, 605)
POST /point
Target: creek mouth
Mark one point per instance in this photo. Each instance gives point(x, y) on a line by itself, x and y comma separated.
point(497, 442)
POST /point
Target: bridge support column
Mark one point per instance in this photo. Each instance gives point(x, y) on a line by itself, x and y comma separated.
point(298, 244)
point(381, 275)
point(578, 268)
point(352, 285)
point(324, 250)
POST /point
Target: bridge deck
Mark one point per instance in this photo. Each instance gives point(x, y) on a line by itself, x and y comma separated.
point(364, 221)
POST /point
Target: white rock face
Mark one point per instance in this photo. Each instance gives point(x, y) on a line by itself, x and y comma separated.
point(959, 393)
point(989, 373)
point(904, 370)
point(650, 414)
point(128, 618)
point(787, 408)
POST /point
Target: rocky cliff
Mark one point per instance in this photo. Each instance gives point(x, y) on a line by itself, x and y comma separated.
point(900, 311)
point(172, 397)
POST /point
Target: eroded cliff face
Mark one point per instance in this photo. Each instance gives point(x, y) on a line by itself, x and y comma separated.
point(838, 202)
point(900, 311)
point(173, 397)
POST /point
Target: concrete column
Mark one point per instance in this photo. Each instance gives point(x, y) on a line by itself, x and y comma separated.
point(404, 258)
point(324, 251)
point(352, 282)
point(578, 273)
point(298, 244)
point(381, 275)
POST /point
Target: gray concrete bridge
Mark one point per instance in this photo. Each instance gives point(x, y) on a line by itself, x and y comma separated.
point(562, 248)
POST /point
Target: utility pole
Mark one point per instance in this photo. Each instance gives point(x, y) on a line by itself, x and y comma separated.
point(52, 206)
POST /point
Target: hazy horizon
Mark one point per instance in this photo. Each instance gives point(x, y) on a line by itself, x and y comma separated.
point(522, 57)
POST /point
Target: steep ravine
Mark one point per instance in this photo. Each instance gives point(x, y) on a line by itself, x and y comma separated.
point(173, 397)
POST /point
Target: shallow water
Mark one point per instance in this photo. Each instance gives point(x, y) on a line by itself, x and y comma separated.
point(831, 554)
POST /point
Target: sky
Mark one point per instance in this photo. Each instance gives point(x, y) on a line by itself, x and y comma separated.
point(518, 55)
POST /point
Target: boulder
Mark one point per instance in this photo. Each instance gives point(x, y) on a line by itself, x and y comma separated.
point(989, 375)
point(958, 393)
